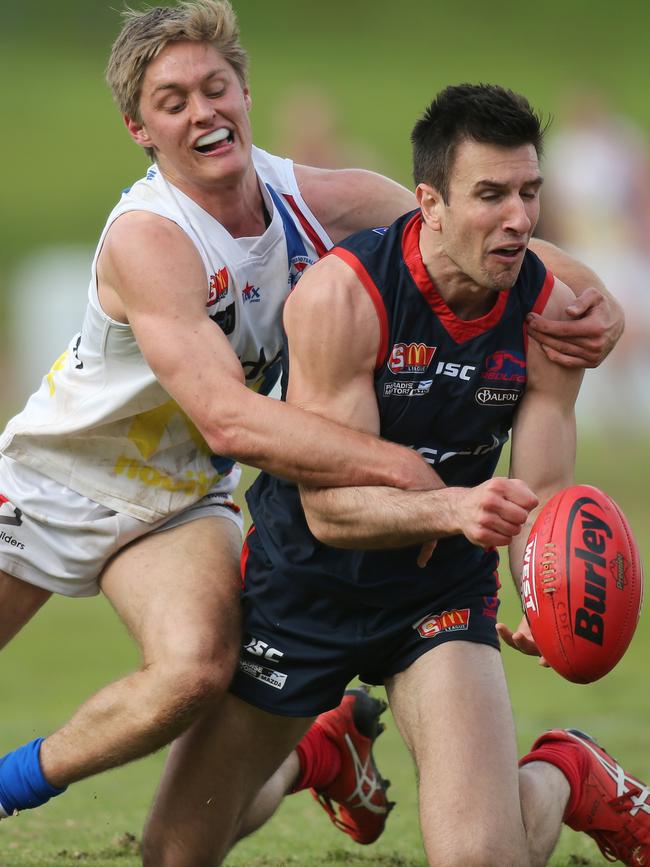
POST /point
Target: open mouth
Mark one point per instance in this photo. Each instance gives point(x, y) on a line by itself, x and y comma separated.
point(508, 252)
point(214, 141)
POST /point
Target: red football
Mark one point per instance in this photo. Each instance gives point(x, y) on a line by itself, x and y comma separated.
point(582, 583)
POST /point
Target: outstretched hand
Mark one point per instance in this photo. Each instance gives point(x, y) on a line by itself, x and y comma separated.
point(586, 339)
point(521, 639)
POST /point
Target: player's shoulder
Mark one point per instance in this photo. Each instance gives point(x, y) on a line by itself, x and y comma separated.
point(329, 288)
point(149, 255)
point(149, 233)
point(348, 200)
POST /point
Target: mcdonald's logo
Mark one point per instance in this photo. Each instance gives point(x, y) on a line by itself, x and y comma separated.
point(449, 621)
point(218, 286)
point(410, 357)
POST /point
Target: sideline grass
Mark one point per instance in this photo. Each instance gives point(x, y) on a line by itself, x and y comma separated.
point(75, 646)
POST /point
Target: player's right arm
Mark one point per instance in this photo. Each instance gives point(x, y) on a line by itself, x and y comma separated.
point(543, 446)
point(151, 276)
point(333, 375)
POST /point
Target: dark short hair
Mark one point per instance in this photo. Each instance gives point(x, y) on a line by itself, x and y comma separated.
point(484, 113)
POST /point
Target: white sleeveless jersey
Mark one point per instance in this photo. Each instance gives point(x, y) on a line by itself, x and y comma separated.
point(100, 423)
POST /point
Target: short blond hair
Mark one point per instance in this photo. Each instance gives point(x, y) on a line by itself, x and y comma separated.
point(146, 33)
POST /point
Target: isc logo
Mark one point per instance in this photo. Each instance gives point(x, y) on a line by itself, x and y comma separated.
point(456, 371)
point(262, 649)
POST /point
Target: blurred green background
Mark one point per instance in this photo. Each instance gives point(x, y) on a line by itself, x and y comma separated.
point(65, 157)
point(372, 67)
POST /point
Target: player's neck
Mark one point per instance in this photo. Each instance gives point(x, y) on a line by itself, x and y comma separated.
point(237, 204)
point(466, 298)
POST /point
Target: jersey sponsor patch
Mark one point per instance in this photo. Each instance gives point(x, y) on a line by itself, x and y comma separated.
point(219, 284)
point(276, 679)
point(456, 620)
point(410, 358)
point(251, 294)
point(407, 388)
point(488, 396)
point(9, 514)
point(226, 319)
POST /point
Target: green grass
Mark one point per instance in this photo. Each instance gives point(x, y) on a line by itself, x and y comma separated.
point(75, 646)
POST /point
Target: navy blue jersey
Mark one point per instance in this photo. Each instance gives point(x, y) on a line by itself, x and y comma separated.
point(446, 387)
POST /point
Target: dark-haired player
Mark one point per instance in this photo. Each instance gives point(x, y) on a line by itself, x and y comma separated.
point(418, 334)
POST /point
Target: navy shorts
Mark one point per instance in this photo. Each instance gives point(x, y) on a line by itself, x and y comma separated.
point(302, 647)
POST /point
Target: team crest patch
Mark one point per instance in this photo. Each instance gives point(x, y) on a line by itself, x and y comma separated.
point(297, 268)
point(456, 620)
point(505, 366)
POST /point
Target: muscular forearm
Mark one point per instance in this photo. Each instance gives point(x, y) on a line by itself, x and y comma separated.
point(489, 514)
point(303, 447)
point(381, 517)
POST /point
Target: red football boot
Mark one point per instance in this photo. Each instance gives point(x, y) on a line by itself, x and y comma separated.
point(614, 808)
point(359, 789)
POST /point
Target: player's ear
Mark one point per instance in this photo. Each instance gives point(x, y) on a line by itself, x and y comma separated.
point(137, 131)
point(431, 204)
point(248, 99)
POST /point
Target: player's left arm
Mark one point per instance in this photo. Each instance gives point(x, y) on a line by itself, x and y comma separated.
point(348, 200)
point(593, 320)
point(543, 444)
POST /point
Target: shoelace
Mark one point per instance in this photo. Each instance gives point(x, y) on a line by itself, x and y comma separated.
point(626, 845)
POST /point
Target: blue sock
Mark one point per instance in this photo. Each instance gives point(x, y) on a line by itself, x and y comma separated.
point(22, 784)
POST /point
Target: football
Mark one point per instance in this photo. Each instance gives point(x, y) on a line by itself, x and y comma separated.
point(582, 583)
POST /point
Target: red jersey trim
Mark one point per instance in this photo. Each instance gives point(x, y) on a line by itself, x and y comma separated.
point(375, 296)
point(540, 303)
point(321, 249)
point(544, 294)
point(458, 329)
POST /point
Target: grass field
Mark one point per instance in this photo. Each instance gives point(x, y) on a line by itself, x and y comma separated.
point(75, 646)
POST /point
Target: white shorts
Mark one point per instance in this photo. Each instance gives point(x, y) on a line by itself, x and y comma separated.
point(55, 538)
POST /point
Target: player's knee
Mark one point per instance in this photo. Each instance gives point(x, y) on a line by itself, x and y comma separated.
point(185, 687)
